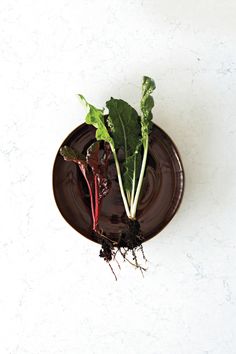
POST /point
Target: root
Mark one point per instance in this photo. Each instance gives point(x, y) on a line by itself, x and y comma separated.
point(135, 263)
point(112, 271)
point(114, 258)
point(142, 251)
point(130, 242)
point(101, 234)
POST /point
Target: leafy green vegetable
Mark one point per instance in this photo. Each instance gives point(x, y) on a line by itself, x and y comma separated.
point(124, 130)
point(125, 133)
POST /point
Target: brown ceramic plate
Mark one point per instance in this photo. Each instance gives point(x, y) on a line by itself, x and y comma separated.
point(161, 195)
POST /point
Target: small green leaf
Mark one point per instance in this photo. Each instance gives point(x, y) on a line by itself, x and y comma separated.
point(147, 103)
point(95, 117)
point(70, 154)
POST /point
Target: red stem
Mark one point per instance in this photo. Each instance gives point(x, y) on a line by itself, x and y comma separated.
point(96, 201)
point(91, 197)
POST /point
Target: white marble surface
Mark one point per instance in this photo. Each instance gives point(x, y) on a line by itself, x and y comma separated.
point(57, 296)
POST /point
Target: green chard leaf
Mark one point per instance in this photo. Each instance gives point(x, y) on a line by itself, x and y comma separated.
point(147, 103)
point(95, 117)
point(123, 121)
point(124, 125)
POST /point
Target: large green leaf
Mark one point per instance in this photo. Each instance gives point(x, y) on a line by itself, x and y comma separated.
point(123, 121)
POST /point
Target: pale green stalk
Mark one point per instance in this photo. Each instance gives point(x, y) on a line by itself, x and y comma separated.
point(128, 197)
point(140, 181)
point(133, 183)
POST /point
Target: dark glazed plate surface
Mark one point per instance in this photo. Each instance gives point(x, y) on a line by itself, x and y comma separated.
point(161, 196)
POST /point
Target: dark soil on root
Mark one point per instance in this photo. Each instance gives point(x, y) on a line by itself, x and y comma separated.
point(129, 241)
point(133, 237)
point(107, 250)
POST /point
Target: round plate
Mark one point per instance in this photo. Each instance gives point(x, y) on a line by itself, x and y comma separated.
point(161, 195)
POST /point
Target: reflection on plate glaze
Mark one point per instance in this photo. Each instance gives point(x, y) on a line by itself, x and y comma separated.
point(161, 195)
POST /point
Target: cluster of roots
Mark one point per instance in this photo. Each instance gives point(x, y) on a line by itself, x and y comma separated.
point(129, 243)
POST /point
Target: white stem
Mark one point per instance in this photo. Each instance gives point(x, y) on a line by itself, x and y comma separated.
point(133, 183)
point(140, 181)
point(121, 183)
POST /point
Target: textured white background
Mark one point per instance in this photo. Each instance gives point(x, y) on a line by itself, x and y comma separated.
point(57, 296)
